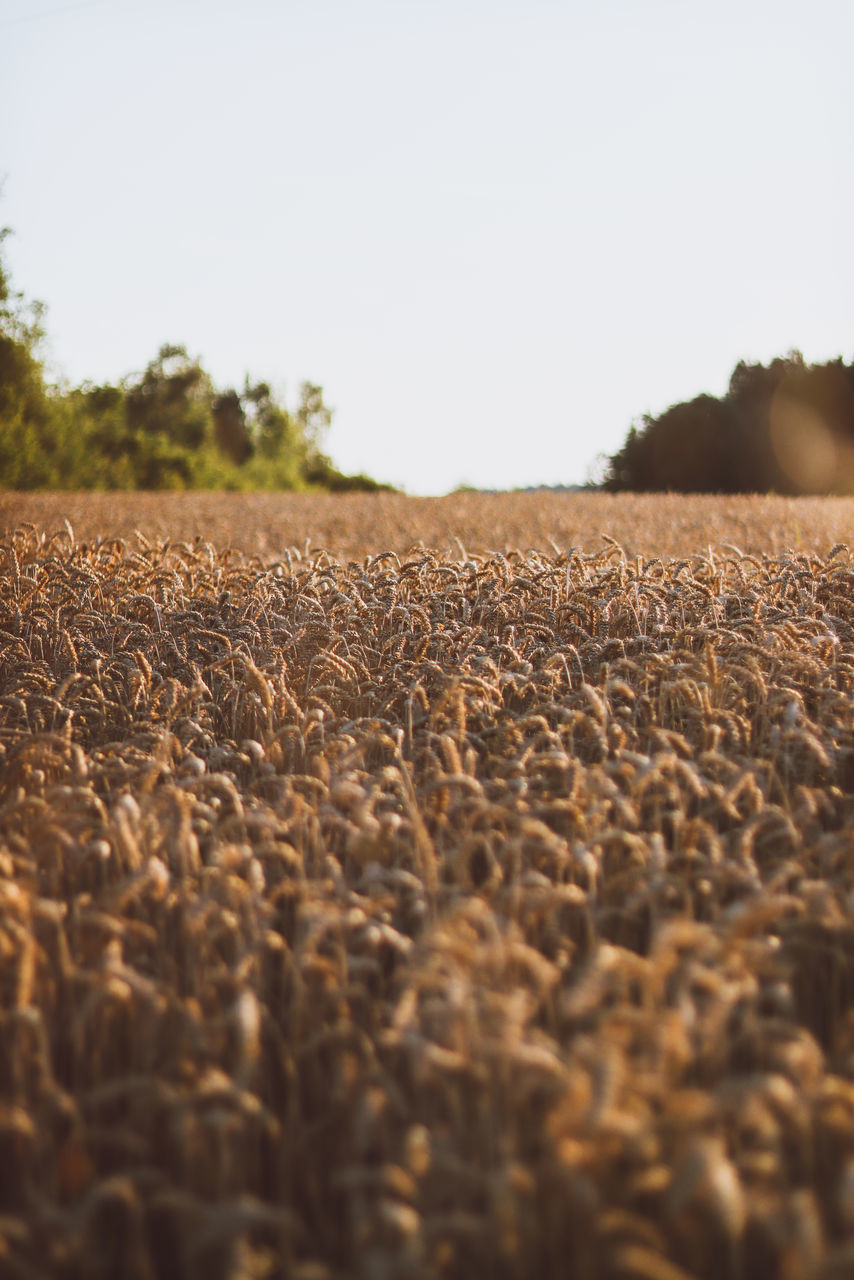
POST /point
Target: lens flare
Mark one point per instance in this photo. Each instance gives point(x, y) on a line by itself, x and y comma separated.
point(811, 454)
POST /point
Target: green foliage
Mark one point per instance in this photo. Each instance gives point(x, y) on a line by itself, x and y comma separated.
point(173, 398)
point(26, 410)
point(321, 474)
point(786, 427)
point(166, 428)
point(231, 430)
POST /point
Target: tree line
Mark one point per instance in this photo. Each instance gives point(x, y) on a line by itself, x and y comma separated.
point(786, 427)
point(169, 427)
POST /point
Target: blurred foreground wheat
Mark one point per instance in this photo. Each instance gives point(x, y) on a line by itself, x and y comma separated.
point(425, 915)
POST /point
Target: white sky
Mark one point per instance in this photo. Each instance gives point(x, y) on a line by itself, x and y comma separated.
point(496, 231)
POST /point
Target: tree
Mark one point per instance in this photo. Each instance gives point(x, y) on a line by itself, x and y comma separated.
point(787, 427)
point(313, 417)
point(172, 399)
point(231, 430)
point(26, 417)
point(168, 427)
point(687, 448)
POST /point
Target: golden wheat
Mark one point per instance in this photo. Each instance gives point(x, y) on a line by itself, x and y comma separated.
point(403, 914)
point(354, 526)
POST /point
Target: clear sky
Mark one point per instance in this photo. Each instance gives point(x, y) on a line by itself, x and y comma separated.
point(496, 231)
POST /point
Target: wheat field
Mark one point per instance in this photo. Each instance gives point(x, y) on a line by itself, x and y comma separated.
point(383, 906)
point(356, 525)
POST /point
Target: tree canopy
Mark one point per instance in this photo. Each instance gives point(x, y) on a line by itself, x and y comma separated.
point(168, 427)
point(786, 427)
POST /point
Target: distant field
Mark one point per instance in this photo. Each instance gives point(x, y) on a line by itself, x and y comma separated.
point(477, 908)
point(359, 524)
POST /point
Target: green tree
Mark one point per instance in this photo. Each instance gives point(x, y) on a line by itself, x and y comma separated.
point(27, 459)
point(166, 428)
point(313, 418)
point(172, 398)
point(231, 429)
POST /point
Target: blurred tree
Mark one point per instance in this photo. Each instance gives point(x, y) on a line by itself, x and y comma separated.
point(687, 448)
point(172, 398)
point(25, 407)
point(231, 430)
point(787, 427)
point(313, 417)
point(270, 423)
point(166, 428)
